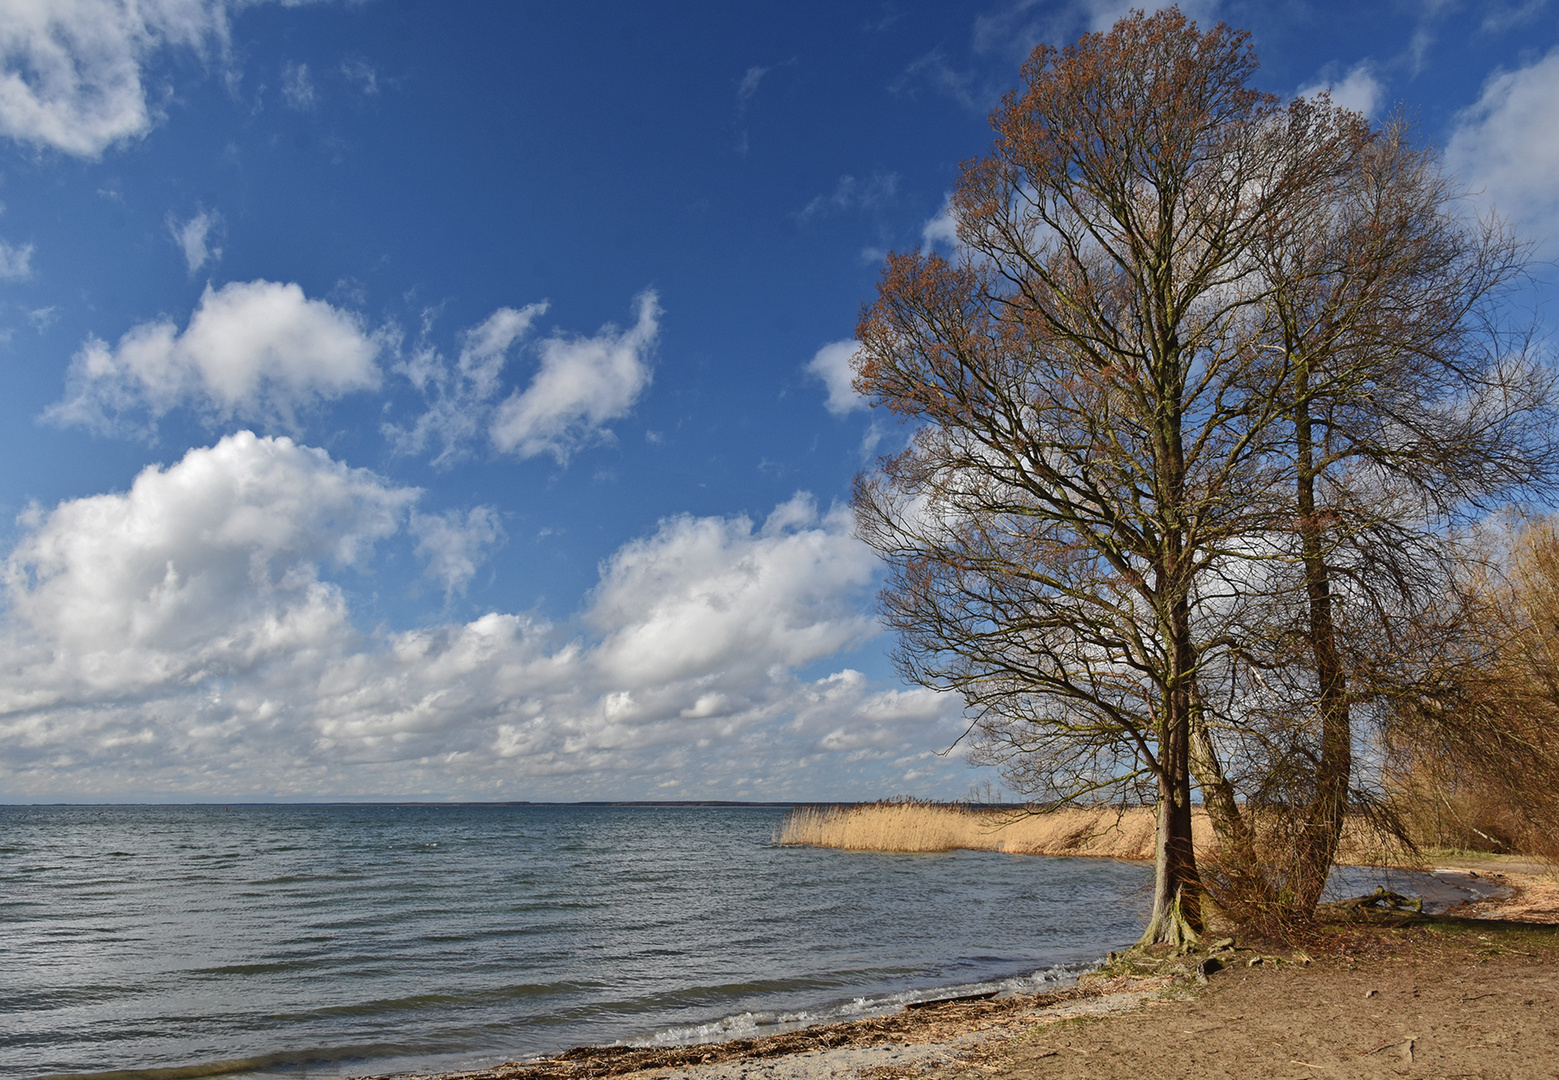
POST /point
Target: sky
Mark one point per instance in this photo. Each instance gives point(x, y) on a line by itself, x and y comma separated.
point(425, 401)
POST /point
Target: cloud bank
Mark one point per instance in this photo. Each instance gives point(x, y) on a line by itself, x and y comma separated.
point(188, 638)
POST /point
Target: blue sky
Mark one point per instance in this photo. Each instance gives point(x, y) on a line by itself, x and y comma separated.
point(407, 400)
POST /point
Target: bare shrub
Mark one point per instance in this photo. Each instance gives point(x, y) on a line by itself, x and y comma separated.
point(1474, 759)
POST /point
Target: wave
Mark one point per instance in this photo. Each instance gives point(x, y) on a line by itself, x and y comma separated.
point(751, 1025)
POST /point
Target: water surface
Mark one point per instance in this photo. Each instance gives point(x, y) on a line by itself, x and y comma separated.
point(332, 940)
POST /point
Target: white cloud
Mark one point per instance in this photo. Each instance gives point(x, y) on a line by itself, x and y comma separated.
point(1358, 90)
point(706, 594)
point(15, 262)
point(71, 71)
point(460, 397)
point(749, 84)
point(200, 571)
point(831, 363)
point(852, 194)
point(297, 87)
point(1507, 145)
point(940, 230)
point(582, 384)
point(453, 543)
point(185, 638)
point(362, 73)
point(255, 350)
point(193, 236)
point(1015, 27)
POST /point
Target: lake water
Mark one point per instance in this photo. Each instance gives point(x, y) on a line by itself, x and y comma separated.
point(333, 940)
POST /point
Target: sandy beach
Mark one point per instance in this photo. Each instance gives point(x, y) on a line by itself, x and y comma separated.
point(1472, 993)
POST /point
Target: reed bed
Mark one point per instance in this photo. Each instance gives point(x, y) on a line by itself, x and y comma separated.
point(1106, 832)
point(1101, 832)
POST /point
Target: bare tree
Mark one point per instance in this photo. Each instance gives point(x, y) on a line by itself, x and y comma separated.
point(1407, 408)
point(1095, 413)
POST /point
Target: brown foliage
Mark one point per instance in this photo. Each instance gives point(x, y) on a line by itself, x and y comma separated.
point(1476, 756)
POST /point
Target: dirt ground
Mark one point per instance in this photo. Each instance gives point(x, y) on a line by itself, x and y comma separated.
point(1448, 1000)
point(1471, 994)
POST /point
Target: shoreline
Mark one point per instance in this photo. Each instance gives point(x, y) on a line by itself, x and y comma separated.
point(1031, 1034)
point(932, 1031)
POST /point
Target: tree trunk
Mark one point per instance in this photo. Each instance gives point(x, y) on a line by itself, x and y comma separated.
point(1238, 862)
point(1322, 829)
point(1177, 888)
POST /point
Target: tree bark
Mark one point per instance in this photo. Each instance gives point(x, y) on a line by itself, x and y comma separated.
point(1323, 826)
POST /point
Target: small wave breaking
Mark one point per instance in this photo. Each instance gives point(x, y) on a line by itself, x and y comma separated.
point(751, 1025)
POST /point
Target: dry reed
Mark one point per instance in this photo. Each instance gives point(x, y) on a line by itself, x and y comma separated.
point(1097, 831)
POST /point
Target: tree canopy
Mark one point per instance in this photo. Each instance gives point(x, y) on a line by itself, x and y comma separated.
point(1197, 350)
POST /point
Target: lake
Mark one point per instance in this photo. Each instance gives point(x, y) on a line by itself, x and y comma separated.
point(344, 939)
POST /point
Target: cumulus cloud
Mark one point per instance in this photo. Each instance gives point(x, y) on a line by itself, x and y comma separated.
point(707, 594)
point(71, 71)
point(831, 364)
point(187, 638)
point(15, 262)
point(1507, 146)
point(1357, 89)
point(581, 384)
point(256, 350)
point(202, 570)
point(193, 237)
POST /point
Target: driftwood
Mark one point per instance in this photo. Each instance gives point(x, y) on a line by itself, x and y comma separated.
point(1383, 899)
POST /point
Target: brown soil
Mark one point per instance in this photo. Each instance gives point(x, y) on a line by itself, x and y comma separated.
point(1464, 998)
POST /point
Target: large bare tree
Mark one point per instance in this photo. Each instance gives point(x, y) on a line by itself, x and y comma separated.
point(1094, 412)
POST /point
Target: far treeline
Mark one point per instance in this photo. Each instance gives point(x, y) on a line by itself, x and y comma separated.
point(1221, 427)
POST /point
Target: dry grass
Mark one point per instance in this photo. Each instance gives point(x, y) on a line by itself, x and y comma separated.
point(1101, 832)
